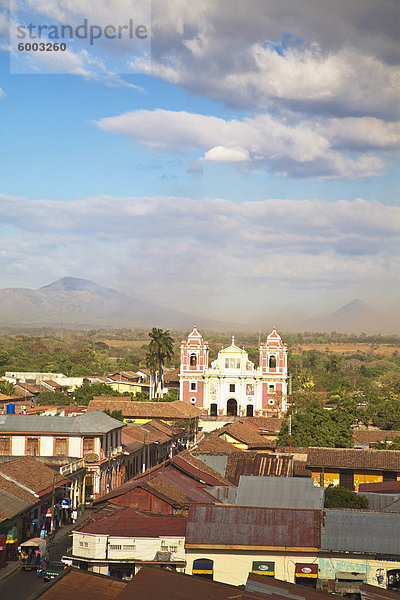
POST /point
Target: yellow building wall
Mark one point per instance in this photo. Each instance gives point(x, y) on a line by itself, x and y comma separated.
point(331, 477)
point(235, 442)
point(367, 477)
point(143, 420)
point(233, 566)
point(124, 387)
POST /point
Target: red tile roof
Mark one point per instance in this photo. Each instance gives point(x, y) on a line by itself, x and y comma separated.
point(349, 458)
point(372, 436)
point(30, 472)
point(160, 410)
point(270, 424)
point(132, 523)
point(175, 487)
point(246, 433)
point(198, 470)
point(214, 445)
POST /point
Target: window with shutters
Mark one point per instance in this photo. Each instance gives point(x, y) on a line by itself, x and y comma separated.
point(88, 445)
point(32, 446)
point(60, 447)
point(5, 446)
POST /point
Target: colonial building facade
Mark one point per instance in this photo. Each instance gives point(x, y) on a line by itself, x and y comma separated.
point(233, 385)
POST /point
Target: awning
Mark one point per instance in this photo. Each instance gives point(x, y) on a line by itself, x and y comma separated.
point(202, 567)
point(263, 568)
point(306, 570)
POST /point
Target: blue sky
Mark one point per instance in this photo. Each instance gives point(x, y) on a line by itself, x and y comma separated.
point(252, 166)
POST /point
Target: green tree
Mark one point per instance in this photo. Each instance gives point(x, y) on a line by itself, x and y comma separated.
point(115, 414)
point(161, 349)
point(318, 427)
point(7, 388)
point(141, 397)
point(53, 399)
point(340, 497)
point(386, 445)
point(85, 393)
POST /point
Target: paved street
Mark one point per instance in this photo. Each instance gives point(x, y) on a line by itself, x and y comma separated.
point(22, 584)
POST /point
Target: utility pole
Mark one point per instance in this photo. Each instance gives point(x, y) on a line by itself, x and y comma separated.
point(53, 500)
point(144, 453)
point(290, 412)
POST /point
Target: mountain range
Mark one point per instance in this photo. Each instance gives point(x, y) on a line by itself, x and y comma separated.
point(80, 303)
point(73, 302)
point(355, 316)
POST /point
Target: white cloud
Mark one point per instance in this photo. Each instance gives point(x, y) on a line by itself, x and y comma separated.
point(209, 253)
point(2, 93)
point(223, 154)
point(310, 56)
point(322, 149)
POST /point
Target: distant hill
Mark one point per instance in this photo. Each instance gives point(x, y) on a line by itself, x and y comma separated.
point(73, 302)
point(354, 317)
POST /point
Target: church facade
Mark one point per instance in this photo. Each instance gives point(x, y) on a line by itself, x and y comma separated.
point(232, 385)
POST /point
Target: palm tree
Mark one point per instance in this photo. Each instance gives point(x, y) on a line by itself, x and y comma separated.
point(161, 348)
point(152, 364)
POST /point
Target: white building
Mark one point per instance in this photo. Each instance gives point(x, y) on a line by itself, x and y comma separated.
point(123, 542)
point(94, 437)
point(233, 385)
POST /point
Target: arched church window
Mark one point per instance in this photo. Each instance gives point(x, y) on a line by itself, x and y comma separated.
point(193, 360)
point(272, 362)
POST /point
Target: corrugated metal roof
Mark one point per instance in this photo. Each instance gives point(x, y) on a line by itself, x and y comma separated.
point(379, 502)
point(216, 462)
point(273, 588)
point(361, 531)
point(94, 422)
point(258, 463)
point(245, 526)
point(279, 492)
point(132, 523)
point(11, 505)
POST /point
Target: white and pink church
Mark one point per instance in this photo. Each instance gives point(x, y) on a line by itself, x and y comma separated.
point(232, 385)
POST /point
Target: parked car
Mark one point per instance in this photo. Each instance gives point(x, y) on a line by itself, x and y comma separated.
point(54, 569)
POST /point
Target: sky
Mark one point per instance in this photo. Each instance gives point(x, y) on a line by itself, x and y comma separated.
point(241, 160)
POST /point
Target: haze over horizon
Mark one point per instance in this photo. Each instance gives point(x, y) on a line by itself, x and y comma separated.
point(250, 173)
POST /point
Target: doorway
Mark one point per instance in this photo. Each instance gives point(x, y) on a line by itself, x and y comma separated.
point(231, 407)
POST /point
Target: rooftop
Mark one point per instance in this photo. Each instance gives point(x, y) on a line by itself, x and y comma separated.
point(247, 433)
point(149, 582)
point(279, 492)
point(95, 422)
point(257, 463)
point(361, 531)
point(29, 472)
point(133, 523)
point(223, 525)
point(158, 410)
point(350, 458)
point(81, 585)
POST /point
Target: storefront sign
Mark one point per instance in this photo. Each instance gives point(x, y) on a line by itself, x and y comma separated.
point(306, 570)
point(264, 568)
